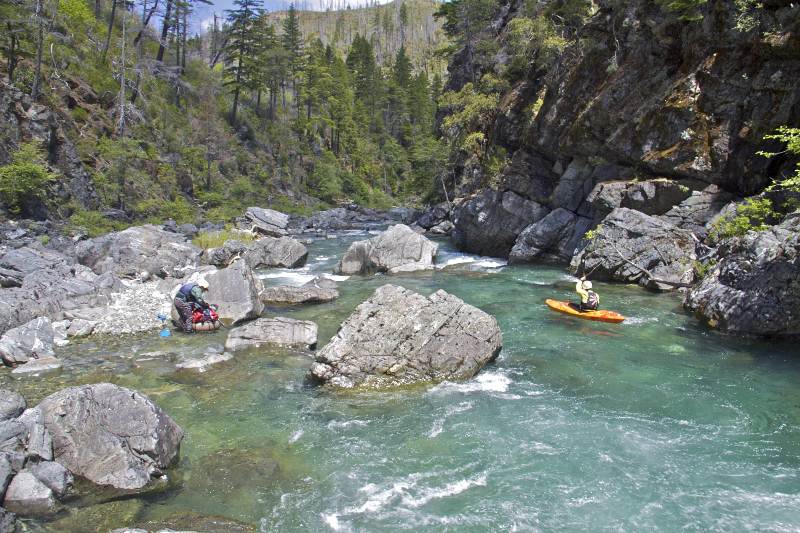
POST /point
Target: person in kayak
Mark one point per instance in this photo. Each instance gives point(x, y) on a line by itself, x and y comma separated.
point(590, 300)
point(189, 297)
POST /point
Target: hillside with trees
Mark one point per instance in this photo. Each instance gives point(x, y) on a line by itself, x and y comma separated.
point(146, 120)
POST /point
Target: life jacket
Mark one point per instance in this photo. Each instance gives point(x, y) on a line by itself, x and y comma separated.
point(593, 301)
point(186, 290)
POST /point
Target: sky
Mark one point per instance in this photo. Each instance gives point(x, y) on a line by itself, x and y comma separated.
point(205, 13)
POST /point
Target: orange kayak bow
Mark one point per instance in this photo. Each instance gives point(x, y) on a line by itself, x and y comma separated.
point(599, 316)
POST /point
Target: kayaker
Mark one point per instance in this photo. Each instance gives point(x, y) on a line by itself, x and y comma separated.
point(590, 300)
point(189, 297)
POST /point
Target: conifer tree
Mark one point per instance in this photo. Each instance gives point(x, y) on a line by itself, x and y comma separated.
point(240, 67)
point(292, 41)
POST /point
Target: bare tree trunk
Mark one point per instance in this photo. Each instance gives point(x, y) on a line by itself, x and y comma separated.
point(164, 32)
point(110, 29)
point(146, 16)
point(37, 76)
point(121, 125)
point(183, 41)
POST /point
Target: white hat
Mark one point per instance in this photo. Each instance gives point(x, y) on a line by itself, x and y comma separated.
point(587, 285)
point(202, 283)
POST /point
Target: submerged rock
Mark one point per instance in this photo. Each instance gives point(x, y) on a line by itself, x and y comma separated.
point(279, 330)
point(317, 290)
point(110, 435)
point(633, 247)
point(39, 366)
point(29, 341)
point(398, 336)
point(754, 288)
point(139, 250)
point(398, 249)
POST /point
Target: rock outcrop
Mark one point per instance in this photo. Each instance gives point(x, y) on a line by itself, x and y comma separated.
point(398, 249)
point(140, 251)
point(110, 435)
point(266, 221)
point(398, 336)
point(44, 283)
point(279, 331)
point(754, 287)
point(553, 238)
point(633, 247)
point(317, 290)
point(266, 252)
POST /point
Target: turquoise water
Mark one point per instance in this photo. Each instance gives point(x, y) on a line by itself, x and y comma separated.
point(656, 423)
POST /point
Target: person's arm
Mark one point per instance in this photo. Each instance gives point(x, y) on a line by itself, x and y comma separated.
point(197, 296)
point(581, 291)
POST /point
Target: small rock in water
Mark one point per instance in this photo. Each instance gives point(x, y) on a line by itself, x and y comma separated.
point(280, 331)
point(201, 365)
point(30, 340)
point(26, 495)
point(38, 366)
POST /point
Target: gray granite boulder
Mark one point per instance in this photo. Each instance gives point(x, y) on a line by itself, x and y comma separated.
point(489, 222)
point(236, 291)
point(754, 286)
point(315, 291)
point(279, 331)
point(53, 475)
point(8, 521)
point(283, 252)
point(398, 336)
point(29, 341)
point(12, 404)
point(27, 495)
point(699, 210)
point(398, 249)
point(553, 238)
point(110, 435)
point(267, 221)
point(142, 250)
point(632, 247)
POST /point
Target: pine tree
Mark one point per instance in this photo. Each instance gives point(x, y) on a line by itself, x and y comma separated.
point(292, 41)
point(240, 68)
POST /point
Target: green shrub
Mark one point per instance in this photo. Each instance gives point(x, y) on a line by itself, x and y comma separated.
point(215, 239)
point(25, 178)
point(791, 138)
point(703, 268)
point(93, 223)
point(751, 215)
point(156, 210)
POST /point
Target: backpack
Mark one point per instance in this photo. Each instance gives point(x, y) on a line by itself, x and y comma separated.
point(593, 300)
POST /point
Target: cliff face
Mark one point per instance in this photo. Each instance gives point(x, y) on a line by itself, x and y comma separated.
point(642, 95)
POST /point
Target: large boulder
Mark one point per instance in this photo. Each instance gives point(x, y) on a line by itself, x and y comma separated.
point(490, 222)
point(754, 287)
point(279, 331)
point(142, 250)
point(651, 197)
point(31, 340)
point(398, 336)
point(398, 249)
point(632, 247)
point(236, 291)
point(553, 238)
point(47, 284)
point(699, 210)
point(267, 221)
point(315, 291)
point(284, 252)
point(110, 435)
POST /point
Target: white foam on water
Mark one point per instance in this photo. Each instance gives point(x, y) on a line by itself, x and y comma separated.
point(438, 424)
point(322, 257)
point(292, 278)
point(485, 382)
point(457, 260)
point(490, 263)
point(451, 489)
point(296, 436)
point(332, 521)
point(635, 320)
point(334, 277)
point(344, 424)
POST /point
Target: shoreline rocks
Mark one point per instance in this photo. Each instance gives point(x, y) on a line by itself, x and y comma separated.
point(398, 249)
point(398, 337)
point(754, 286)
point(318, 290)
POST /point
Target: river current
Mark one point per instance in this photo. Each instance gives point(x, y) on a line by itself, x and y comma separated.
point(653, 424)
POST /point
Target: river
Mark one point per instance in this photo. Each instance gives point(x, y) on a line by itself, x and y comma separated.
point(656, 423)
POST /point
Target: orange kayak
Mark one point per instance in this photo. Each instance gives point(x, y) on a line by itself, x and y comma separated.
point(600, 316)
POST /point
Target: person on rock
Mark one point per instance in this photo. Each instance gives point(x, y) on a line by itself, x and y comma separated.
point(189, 297)
point(590, 300)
